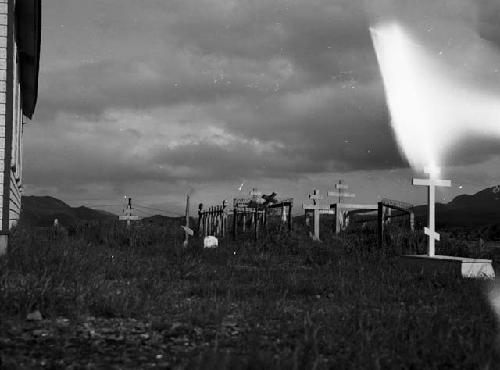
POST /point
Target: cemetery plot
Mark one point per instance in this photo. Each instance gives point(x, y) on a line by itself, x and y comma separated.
point(316, 209)
point(385, 214)
point(340, 191)
point(248, 214)
point(388, 211)
point(252, 213)
point(213, 221)
point(341, 211)
point(432, 264)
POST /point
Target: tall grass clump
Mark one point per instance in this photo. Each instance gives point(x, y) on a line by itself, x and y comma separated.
point(80, 271)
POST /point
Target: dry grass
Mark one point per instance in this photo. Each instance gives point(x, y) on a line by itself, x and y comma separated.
point(281, 302)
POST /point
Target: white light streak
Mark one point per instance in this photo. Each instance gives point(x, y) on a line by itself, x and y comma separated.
point(431, 112)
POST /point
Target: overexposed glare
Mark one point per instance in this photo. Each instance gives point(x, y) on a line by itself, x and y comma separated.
point(431, 111)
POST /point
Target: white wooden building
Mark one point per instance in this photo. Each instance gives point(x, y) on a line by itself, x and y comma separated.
point(20, 23)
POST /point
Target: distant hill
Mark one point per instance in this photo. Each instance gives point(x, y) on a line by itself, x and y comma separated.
point(42, 210)
point(166, 221)
point(477, 210)
point(480, 209)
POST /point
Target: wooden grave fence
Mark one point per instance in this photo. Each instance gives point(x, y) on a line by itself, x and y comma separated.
point(252, 213)
point(385, 208)
point(341, 211)
point(213, 221)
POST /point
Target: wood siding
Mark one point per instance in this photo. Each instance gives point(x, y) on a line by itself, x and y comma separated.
point(15, 162)
point(4, 10)
point(10, 120)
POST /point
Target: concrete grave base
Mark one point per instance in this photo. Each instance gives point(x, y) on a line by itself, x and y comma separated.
point(458, 266)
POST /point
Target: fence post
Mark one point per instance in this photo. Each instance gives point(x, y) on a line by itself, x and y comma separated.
point(235, 222)
point(215, 220)
point(224, 218)
point(256, 223)
point(380, 224)
point(186, 238)
point(205, 222)
point(200, 219)
point(212, 220)
point(208, 231)
point(339, 218)
point(290, 217)
point(219, 221)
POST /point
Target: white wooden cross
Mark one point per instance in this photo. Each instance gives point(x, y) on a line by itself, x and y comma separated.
point(340, 191)
point(432, 182)
point(315, 196)
point(128, 214)
point(340, 213)
point(128, 218)
point(317, 209)
point(187, 230)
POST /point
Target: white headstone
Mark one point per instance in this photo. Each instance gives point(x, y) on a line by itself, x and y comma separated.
point(210, 242)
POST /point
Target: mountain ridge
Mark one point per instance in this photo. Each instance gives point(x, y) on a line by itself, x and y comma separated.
point(479, 209)
point(464, 210)
point(41, 211)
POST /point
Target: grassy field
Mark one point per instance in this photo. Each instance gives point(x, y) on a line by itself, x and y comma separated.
point(113, 298)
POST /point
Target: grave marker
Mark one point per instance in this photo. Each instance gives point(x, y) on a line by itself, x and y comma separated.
point(213, 221)
point(252, 212)
point(432, 182)
point(316, 209)
point(340, 215)
point(187, 231)
point(385, 207)
point(341, 209)
point(128, 216)
point(340, 191)
point(432, 263)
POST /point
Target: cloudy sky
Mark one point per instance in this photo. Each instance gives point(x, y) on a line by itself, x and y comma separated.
point(153, 98)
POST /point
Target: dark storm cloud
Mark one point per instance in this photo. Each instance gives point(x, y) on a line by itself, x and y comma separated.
point(321, 38)
point(101, 161)
point(323, 42)
point(139, 85)
point(488, 20)
point(343, 123)
point(134, 91)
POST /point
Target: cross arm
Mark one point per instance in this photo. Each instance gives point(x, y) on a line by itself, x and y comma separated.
point(431, 233)
point(431, 182)
point(338, 194)
point(316, 206)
